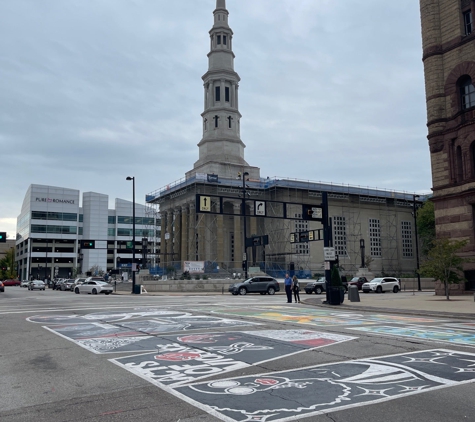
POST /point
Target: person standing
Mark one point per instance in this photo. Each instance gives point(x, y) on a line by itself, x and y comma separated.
point(296, 288)
point(288, 287)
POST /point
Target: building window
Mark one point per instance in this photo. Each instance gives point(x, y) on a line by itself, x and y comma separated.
point(216, 119)
point(110, 232)
point(467, 93)
point(217, 93)
point(406, 235)
point(339, 235)
point(375, 237)
point(467, 22)
point(224, 39)
point(219, 39)
point(226, 94)
point(36, 228)
point(111, 219)
point(229, 121)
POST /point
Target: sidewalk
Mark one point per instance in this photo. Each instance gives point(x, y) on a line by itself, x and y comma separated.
point(412, 303)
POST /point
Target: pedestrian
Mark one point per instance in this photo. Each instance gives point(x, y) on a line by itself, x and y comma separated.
point(296, 288)
point(288, 287)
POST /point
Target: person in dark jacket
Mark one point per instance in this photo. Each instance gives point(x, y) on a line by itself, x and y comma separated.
point(296, 288)
point(288, 287)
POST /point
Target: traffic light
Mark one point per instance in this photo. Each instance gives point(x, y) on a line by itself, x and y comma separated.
point(3, 237)
point(88, 244)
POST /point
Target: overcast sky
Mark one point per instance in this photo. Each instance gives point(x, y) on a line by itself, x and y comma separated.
point(93, 91)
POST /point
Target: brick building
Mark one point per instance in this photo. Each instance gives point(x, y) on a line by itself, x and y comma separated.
point(448, 40)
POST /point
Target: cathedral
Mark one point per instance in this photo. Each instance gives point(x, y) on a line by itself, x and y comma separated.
point(224, 217)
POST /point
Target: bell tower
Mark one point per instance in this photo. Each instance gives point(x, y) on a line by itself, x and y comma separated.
point(221, 150)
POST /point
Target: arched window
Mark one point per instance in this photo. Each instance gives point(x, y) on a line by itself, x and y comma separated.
point(467, 92)
point(459, 164)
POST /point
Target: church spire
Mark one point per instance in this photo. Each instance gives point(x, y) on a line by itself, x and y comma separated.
point(221, 150)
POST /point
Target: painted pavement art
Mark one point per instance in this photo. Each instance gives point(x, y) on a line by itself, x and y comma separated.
point(321, 317)
point(106, 316)
point(295, 394)
point(187, 358)
point(446, 335)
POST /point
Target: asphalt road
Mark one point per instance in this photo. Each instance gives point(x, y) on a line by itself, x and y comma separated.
point(67, 357)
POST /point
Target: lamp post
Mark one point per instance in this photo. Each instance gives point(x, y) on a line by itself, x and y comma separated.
point(414, 197)
point(133, 231)
point(243, 212)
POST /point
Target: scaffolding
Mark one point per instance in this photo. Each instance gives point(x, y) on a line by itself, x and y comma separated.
point(217, 237)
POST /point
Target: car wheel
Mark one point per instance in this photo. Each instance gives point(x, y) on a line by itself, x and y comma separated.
point(318, 290)
point(379, 289)
point(242, 291)
point(395, 289)
point(271, 291)
point(94, 292)
point(76, 290)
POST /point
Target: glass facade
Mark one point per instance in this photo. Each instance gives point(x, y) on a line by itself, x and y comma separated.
point(55, 216)
point(37, 228)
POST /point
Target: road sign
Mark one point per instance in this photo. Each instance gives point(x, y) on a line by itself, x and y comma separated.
point(205, 203)
point(292, 238)
point(244, 256)
point(260, 208)
point(329, 254)
point(312, 212)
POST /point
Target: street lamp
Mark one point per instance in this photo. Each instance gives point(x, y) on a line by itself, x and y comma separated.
point(133, 231)
point(414, 197)
point(243, 213)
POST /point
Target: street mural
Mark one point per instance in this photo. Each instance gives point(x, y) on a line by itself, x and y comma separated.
point(111, 316)
point(452, 336)
point(295, 394)
point(321, 317)
point(187, 358)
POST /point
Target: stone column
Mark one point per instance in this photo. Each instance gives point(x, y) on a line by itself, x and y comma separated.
point(201, 236)
point(233, 95)
point(220, 239)
point(169, 242)
point(238, 237)
point(184, 233)
point(223, 97)
point(192, 233)
point(177, 235)
point(163, 217)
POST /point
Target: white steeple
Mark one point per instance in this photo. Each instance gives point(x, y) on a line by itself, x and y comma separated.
point(221, 150)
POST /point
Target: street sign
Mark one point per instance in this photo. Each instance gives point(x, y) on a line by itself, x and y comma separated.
point(292, 238)
point(312, 212)
point(329, 254)
point(205, 203)
point(244, 256)
point(260, 208)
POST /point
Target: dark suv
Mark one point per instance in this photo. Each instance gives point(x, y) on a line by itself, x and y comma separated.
point(257, 284)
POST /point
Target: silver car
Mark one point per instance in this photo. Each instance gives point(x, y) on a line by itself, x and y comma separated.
point(94, 287)
point(36, 285)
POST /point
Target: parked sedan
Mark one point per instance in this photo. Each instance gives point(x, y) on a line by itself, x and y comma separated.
point(37, 285)
point(66, 284)
point(257, 284)
point(24, 283)
point(358, 282)
point(94, 287)
point(11, 282)
point(382, 284)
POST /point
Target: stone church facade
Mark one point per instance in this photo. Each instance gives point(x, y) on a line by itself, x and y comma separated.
point(448, 38)
point(234, 196)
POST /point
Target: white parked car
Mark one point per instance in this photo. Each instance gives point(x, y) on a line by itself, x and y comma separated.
point(94, 287)
point(24, 283)
point(382, 284)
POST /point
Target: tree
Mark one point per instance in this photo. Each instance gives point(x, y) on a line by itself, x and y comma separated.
point(444, 264)
point(425, 220)
point(7, 265)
